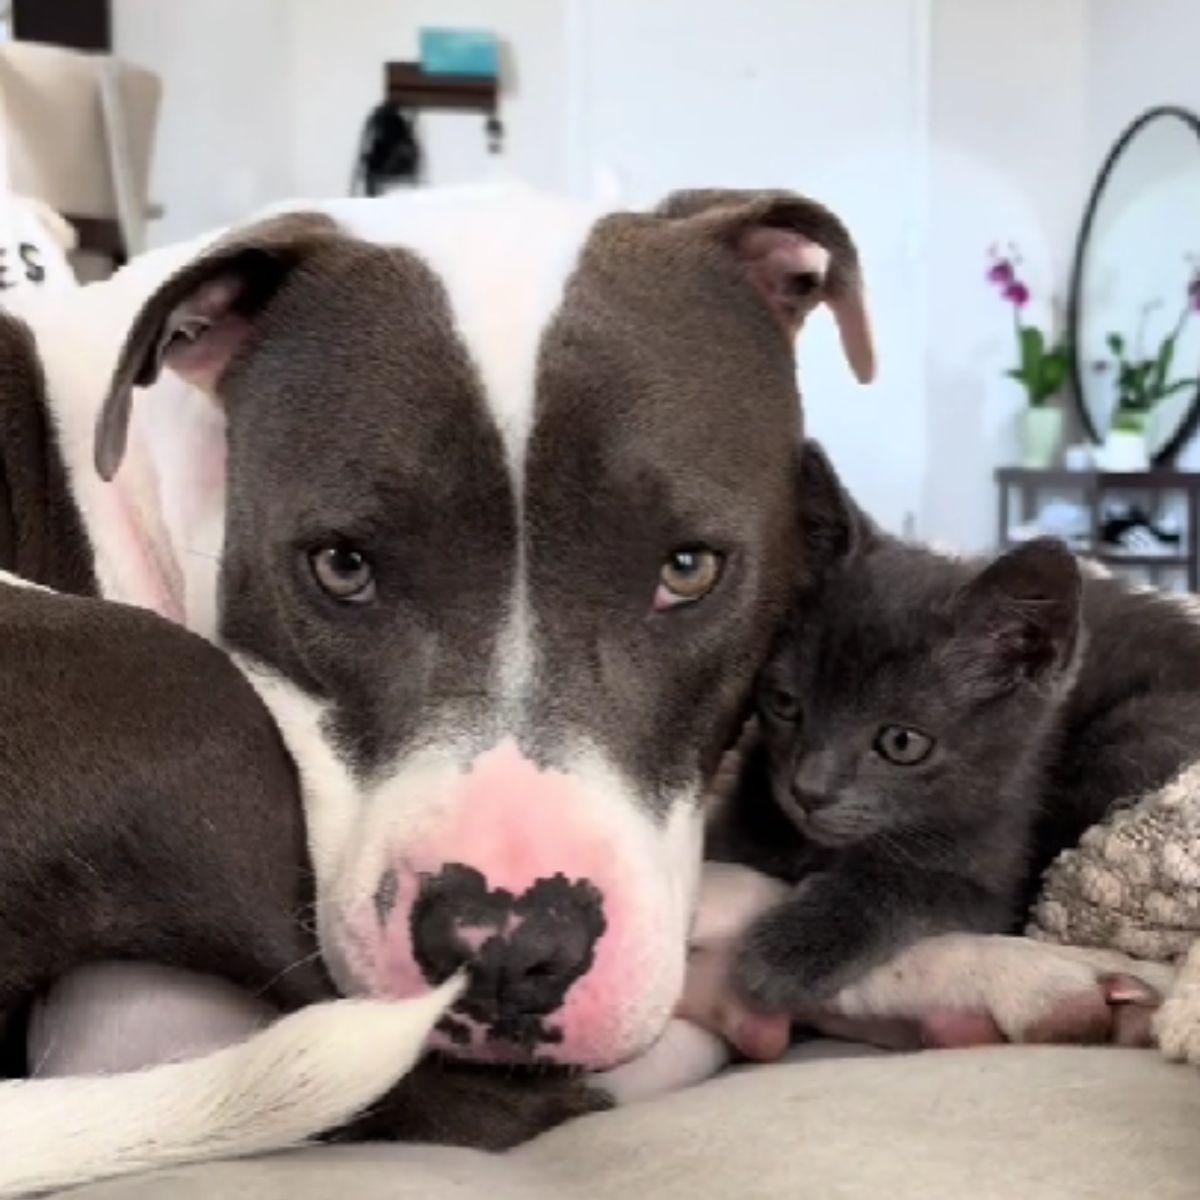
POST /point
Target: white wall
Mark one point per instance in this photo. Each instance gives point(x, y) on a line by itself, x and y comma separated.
point(1142, 53)
point(1008, 120)
point(265, 99)
point(339, 50)
point(790, 94)
point(224, 138)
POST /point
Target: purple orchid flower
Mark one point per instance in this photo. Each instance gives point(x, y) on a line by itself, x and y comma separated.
point(1001, 273)
point(1017, 294)
point(1193, 292)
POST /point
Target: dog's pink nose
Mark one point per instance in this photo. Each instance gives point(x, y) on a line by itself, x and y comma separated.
point(520, 883)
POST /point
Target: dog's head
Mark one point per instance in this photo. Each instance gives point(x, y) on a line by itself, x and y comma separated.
point(509, 516)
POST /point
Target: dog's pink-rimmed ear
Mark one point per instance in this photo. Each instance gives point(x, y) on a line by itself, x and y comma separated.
point(796, 253)
point(198, 321)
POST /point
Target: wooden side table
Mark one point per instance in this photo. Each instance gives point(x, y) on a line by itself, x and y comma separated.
point(1027, 486)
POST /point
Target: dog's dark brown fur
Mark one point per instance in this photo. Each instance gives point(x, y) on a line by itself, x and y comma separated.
point(41, 534)
point(149, 809)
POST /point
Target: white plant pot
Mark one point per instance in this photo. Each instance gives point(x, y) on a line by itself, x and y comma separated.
point(1123, 450)
point(1041, 434)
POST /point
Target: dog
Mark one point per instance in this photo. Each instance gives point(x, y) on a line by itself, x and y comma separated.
point(494, 501)
point(473, 490)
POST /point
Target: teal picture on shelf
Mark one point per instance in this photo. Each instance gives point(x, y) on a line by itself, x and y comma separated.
point(473, 52)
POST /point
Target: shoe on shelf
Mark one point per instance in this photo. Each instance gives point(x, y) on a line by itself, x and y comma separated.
point(1126, 529)
point(1063, 519)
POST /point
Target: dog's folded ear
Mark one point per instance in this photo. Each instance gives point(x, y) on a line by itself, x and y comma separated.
point(198, 321)
point(796, 253)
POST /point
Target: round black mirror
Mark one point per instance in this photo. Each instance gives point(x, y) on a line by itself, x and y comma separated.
point(1134, 305)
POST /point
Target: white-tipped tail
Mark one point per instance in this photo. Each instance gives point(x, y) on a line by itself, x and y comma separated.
point(307, 1073)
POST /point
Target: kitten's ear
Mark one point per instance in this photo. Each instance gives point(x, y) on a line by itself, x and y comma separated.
point(1018, 620)
point(832, 526)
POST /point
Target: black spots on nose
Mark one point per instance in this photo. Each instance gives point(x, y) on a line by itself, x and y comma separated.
point(523, 952)
point(386, 894)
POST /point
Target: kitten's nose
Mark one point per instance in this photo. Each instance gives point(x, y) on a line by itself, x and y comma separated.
point(811, 784)
point(810, 802)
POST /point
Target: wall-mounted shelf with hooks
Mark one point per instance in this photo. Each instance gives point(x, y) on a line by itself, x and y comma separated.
point(407, 84)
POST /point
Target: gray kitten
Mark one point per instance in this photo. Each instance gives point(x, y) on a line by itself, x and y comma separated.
point(932, 732)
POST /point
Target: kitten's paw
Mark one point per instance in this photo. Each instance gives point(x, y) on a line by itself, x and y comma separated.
point(785, 965)
point(1177, 1024)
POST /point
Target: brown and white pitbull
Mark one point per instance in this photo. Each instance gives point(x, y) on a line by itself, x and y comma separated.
point(495, 502)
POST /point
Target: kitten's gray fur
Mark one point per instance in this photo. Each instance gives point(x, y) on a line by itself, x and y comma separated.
point(1051, 697)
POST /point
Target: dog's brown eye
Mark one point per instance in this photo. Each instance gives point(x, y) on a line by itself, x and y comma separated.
point(344, 572)
point(903, 746)
point(779, 703)
point(687, 575)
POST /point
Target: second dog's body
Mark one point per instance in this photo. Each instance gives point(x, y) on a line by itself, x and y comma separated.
point(148, 808)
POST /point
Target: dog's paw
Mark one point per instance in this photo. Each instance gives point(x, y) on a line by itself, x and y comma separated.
point(685, 1055)
point(1177, 1024)
point(964, 989)
point(1177, 1029)
point(711, 1002)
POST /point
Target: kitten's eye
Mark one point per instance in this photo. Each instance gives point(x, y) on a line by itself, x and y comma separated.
point(687, 575)
point(779, 703)
point(343, 572)
point(903, 746)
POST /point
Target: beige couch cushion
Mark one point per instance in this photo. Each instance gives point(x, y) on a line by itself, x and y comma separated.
point(1004, 1124)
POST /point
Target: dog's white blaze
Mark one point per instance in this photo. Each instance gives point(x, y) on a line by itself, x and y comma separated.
point(515, 655)
point(503, 254)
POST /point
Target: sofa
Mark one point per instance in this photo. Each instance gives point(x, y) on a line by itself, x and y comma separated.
point(834, 1122)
